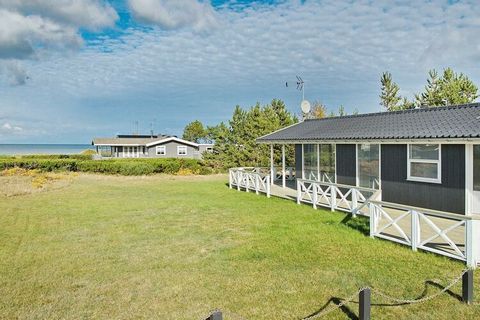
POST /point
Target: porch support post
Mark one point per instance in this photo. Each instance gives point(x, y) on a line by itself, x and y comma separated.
point(472, 243)
point(283, 167)
point(272, 178)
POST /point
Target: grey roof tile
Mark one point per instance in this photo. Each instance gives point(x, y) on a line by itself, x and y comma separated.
point(461, 121)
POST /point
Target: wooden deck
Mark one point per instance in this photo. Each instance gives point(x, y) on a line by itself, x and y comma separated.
point(394, 231)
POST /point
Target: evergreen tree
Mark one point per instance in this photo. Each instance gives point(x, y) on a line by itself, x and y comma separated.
point(389, 97)
point(449, 89)
point(194, 132)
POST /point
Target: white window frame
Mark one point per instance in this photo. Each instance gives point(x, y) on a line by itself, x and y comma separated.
point(161, 150)
point(182, 147)
point(438, 162)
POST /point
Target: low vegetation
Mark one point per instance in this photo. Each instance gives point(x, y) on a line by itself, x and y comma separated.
point(83, 163)
point(176, 247)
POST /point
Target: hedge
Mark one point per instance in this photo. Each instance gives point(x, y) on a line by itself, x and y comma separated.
point(130, 167)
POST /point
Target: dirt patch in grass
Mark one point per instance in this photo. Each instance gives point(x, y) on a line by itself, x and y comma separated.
point(18, 182)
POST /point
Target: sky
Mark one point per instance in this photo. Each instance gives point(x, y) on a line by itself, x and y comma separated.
point(71, 70)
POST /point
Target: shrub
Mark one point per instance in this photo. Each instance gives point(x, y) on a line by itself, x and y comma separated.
point(112, 166)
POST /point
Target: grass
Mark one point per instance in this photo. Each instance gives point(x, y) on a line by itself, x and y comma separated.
point(176, 247)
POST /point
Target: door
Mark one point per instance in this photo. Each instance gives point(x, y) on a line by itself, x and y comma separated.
point(476, 180)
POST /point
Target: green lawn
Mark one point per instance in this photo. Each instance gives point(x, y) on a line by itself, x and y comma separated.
point(167, 247)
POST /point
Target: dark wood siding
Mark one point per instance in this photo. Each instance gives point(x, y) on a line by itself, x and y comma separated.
point(448, 196)
point(346, 164)
point(298, 160)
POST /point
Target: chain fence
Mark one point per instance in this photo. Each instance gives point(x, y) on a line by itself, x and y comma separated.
point(351, 298)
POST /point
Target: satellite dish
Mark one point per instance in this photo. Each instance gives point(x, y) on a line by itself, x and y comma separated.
point(305, 106)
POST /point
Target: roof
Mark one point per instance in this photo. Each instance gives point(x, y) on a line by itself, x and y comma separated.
point(451, 122)
point(139, 141)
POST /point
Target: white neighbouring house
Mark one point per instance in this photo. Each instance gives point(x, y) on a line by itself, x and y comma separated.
point(149, 146)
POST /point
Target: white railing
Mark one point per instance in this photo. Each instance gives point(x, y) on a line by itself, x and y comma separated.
point(448, 234)
point(289, 173)
point(336, 196)
point(250, 179)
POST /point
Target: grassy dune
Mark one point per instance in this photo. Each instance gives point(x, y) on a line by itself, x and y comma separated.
point(109, 247)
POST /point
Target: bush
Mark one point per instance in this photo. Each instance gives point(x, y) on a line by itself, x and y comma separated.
point(57, 156)
point(130, 167)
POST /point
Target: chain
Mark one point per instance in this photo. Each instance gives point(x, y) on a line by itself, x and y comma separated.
point(412, 301)
point(334, 307)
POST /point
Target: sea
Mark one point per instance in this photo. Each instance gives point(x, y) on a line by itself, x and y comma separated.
point(28, 149)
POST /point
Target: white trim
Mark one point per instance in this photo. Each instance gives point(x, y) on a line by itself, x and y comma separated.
point(272, 173)
point(319, 178)
point(438, 162)
point(468, 179)
point(357, 174)
point(193, 144)
point(182, 147)
point(159, 152)
point(283, 167)
point(379, 141)
point(334, 147)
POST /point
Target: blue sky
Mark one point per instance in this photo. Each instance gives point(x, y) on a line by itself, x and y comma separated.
point(74, 70)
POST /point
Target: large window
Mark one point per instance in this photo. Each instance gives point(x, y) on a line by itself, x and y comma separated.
point(310, 161)
point(182, 150)
point(327, 163)
point(476, 167)
point(424, 163)
point(368, 165)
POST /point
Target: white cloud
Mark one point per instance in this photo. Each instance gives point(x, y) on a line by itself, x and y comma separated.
point(7, 127)
point(90, 14)
point(175, 14)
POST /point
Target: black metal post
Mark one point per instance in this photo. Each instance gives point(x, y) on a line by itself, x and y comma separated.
point(364, 304)
point(216, 315)
point(467, 287)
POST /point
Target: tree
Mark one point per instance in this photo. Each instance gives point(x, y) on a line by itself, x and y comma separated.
point(449, 89)
point(318, 111)
point(235, 141)
point(389, 97)
point(194, 132)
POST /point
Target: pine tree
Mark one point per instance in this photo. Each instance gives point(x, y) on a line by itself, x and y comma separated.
point(389, 97)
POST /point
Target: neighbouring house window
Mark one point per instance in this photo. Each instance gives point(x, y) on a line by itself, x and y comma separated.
point(209, 149)
point(476, 167)
point(161, 150)
point(310, 161)
point(368, 165)
point(424, 163)
point(182, 150)
point(327, 163)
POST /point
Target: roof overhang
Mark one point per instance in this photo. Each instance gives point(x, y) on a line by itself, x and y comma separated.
point(380, 141)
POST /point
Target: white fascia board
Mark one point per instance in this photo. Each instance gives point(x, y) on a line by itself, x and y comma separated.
point(193, 144)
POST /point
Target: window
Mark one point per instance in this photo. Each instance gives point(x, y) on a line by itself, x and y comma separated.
point(310, 161)
point(424, 163)
point(182, 150)
point(368, 165)
point(209, 149)
point(327, 163)
point(476, 168)
point(161, 150)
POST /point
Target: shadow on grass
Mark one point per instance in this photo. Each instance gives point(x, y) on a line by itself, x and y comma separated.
point(350, 314)
point(358, 223)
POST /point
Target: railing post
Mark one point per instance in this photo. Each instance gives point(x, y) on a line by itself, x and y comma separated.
point(373, 219)
point(472, 245)
point(257, 186)
point(216, 315)
point(268, 186)
point(314, 195)
point(230, 172)
point(299, 191)
point(354, 202)
point(467, 287)
point(364, 304)
point(333, 197)
point(415, 234)
point(247, 181)
point(239, 179)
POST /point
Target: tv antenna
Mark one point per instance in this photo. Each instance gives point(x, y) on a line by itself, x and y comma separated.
point(304, 105)
point(300, 86)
